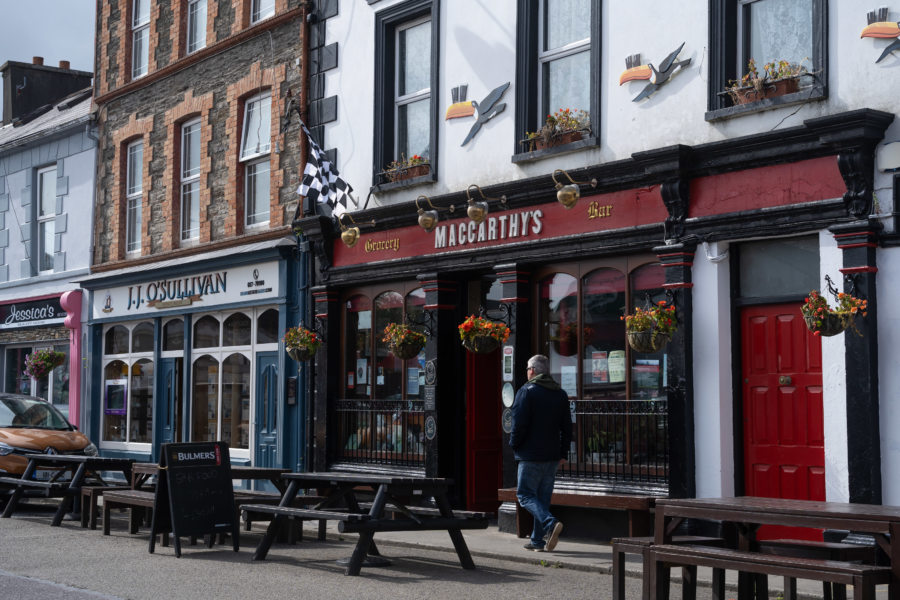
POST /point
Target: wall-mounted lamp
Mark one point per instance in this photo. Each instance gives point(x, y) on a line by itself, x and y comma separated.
point(350, 235)
point(478, 209)
point(568, 194)
point(428, 218)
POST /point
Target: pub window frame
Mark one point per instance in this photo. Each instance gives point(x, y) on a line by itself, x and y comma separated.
point(140, 38)
point(134, 196)
point(130, 359)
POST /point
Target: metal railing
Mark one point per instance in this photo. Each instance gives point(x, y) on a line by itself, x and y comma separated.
point(385, 432)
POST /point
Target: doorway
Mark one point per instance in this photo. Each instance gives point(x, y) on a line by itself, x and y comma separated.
point(266, 411)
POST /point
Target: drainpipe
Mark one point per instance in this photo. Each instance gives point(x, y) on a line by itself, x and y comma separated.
point(71, 303)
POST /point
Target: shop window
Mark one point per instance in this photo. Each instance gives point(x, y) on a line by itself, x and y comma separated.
point(236, 330)
point(766, 31)
point(381, 411)
point(142, 337)
point(46, 219)
point(54, 387)
point(261, 9)
point(190, 181)
point(173, 335)
point(116, 340)
point(134, 178)
point(267, 327)
point(617, 395)
point(406, 58)
point(140, 37)
point(140, 402)
point(236, 401)
point(205, 400)
point(255, 147)
point(558, 44)
point(206, 332)
point(128, 396)
point(787, 267)
point(196, 25)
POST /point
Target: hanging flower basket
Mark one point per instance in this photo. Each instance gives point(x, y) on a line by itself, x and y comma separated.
point(823, 320)
point(481, 344)
point(300, 354)
point(646, 341)
point(40, 362)
point(403, 341)
point(481, 335)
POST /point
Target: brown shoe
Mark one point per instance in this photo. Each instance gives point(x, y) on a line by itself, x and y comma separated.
point(554, 536)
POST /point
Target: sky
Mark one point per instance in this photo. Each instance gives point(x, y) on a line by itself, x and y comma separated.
point(55, 29)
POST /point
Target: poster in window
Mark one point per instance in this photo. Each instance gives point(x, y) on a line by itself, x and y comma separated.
point(350, 384)
point(569, 377)
point(646, 374)
point(362, 367)
point(412, 381)
point(616, 364)
point(115, 396)
point(600, 367)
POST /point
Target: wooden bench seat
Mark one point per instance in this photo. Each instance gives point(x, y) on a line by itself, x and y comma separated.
point(862, 577)
point(824, 550)
point(47, 489)
point(640, 522)
point(89, 496)
point(641, 545)
point(132, 499)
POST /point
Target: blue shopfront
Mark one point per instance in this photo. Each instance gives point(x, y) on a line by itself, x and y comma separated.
point(192, 351)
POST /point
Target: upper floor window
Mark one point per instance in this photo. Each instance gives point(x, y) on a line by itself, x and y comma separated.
point(558, 42)
point(406, 53)
point(46, 216)
point(256, 142)
point(196, 25)
point(190, 180)
point(261, 9)
point(134, 177)
point(140, 36)
point(766, 31)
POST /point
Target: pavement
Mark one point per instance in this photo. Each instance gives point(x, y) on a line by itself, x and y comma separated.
point(34, 554)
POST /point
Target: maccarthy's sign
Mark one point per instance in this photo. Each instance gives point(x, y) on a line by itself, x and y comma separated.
point(207, 289)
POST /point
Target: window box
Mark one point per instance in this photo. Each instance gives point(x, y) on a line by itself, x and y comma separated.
point(404, 173)
point(557, 139)
point(772, 89)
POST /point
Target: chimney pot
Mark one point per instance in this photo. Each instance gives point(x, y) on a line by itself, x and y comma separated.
point(64, 64)
point(37, 60)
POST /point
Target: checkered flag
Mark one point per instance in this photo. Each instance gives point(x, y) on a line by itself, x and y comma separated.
point(321, 180)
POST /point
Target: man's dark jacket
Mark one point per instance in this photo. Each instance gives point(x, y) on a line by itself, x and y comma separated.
point(541, 422)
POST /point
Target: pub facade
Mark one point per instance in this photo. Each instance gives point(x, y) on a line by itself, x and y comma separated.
point(731, 212)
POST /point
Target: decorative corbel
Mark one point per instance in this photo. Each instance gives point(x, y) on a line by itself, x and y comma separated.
point(857, 167)
point(675, 195)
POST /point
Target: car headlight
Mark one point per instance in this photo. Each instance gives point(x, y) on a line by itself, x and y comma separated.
point(91, 450)
point(7, 449)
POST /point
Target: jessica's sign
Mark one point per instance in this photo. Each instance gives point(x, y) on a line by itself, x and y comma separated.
point(30, 314)
point(236, 284)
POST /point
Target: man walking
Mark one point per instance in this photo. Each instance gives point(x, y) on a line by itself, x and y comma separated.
point(540, 437)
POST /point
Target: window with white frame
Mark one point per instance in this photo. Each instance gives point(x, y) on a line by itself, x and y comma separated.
point(255, 148)
point(46, 218)
point(134, 186)
point(261, 9)
point(190, 181)
point(406, 58)
point(196, 25)
point(128, 369)
point(140, 36)
point(558, 42)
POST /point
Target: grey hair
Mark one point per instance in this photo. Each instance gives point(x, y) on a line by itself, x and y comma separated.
point(540, 364)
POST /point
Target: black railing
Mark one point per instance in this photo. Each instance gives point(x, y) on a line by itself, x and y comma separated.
point(622, 441)
point(385, 432)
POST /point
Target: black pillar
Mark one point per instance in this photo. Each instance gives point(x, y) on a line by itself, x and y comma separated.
point(858, 242)
point(326, 380)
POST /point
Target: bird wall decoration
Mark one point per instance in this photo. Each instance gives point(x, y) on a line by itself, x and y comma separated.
point(634, 70)
point(487, 110)
point(880, 27)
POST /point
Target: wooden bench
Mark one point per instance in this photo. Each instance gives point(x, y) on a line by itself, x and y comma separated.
point(132, 499)
point(297, 514)
point(640, 522)
point(840, 551)
point(862, 577)
point(89, 496)
point(641, 545)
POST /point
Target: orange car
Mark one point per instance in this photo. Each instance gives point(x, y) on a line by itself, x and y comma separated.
point(29, 424)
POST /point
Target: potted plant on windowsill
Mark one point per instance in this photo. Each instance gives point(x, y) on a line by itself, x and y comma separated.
point(39, 363)
point(301, 343)
point(400, 170)
point(648, 330)
point(403, 341)
point(481, 335)
point(823, 320)
point(562, 127)
point(778, 79)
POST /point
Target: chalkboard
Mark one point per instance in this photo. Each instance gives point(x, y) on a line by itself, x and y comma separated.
point(194, 494)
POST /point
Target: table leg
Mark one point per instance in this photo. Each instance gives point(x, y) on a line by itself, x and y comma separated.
point(462, 550)
point(67, 500)
point(13, 501)
point(275, 525)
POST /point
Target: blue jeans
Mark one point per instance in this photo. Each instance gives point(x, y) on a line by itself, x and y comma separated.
point(534, 492)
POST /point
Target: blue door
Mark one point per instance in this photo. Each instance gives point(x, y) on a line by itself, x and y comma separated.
point(170, 405)
point(267, 410)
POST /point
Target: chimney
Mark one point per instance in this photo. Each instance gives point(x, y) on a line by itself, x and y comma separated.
point(29, 86)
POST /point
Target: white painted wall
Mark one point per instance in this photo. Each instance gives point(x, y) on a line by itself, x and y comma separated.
point(889, 373)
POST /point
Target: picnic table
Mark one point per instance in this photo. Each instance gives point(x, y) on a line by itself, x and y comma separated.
point(142, 472)
point(397, 506)
point(748, 513)
point(83, 470)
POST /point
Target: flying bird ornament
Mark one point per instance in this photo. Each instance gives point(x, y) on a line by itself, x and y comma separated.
point(634, 70)
point(880, 27)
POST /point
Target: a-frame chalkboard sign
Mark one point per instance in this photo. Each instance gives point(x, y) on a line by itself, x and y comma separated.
point(194, 494)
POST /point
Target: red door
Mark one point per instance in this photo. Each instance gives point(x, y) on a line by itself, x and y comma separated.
point(784, 452)
point(483, 431)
